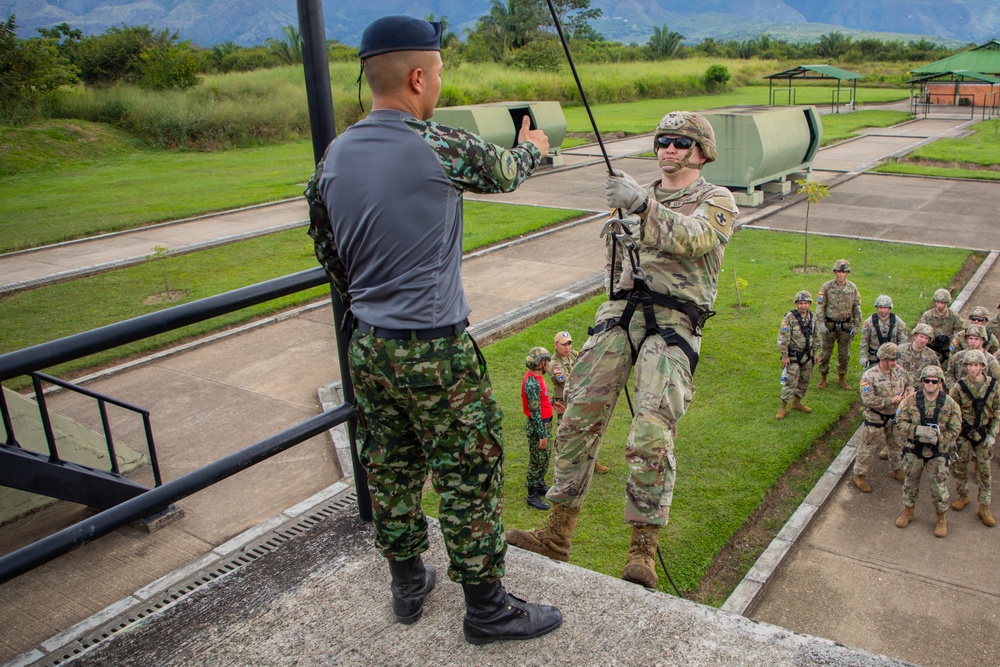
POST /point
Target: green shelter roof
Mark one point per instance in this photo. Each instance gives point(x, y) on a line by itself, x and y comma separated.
point(984, 59)
point(816, 72)
point(955, 75)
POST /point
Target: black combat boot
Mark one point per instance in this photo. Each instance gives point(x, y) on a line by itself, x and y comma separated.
point(412, 580)
point(534, 500)
point(492, 614)
point(543, 488)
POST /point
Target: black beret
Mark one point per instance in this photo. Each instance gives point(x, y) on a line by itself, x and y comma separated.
point(399, 33)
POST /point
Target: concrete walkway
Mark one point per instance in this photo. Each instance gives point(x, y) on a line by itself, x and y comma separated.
point(212, 399)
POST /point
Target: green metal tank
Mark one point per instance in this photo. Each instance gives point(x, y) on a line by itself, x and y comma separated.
point(499, 122)
point(761, 146)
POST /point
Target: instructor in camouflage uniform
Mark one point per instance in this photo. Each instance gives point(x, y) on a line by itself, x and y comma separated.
point(930, 421)
point(979, 397)
point(838, 316)
point(883, 387)
point(882, 327)
point(798, 341)
point(536, 402)
point(386, 218)
point(664, 263)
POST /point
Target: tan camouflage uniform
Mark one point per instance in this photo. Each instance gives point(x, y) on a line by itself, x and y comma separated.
point(870, 339)
point(956, 367)
point(682, 241)
point(944, 327)
point(913, 362)
point(559, 371)
point(960, 341)
point(973, 444)
point(793, 343)
point(838, 304)
point(917, 457)
point(879, 429)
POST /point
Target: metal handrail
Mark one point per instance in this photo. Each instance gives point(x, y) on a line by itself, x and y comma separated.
point(101, 524)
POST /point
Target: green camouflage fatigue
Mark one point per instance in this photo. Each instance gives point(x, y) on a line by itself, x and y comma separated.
point(879, 429)
point(956, 367)
point(429, 404)
point(559, 371)
point(913, 362)
point(871, 341)
point(681, 244)
point(944, 327)
point(536, 428)
point(976, 445)
point(993, 326)
point(800, 350)
point(838, 310)
point(960, 341)
point(917, 457)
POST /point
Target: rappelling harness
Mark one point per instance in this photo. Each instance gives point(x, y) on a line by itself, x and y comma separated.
point(872, 351)
point(976, 432)
point(641, 294)
point(916, 447)
point(802, 357)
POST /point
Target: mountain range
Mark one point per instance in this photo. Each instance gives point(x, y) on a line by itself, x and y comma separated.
point(248, 22)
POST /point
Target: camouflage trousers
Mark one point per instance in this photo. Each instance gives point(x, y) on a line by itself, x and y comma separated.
point(796, 380)
point(663, 391)
point(937, 473)
point(874, 438)
point(427, 407)
point(982, 454)
point(842, 339)
point(538, 458)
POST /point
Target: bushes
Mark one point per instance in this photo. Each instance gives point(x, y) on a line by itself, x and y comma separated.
point(135, 54)
point(31, 71)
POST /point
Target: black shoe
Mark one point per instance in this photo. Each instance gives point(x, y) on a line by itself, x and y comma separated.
point(542, 488)
point(492, 614)
point(412, 580)
point(535, 501)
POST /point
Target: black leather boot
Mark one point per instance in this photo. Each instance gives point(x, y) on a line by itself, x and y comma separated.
point(412, 580)
point(492, 614)
point(534, 500)
point(543, 488)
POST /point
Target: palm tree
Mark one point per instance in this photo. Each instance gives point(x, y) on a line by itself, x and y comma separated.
point(664, 43)
point(448, 38)
point(513, 23)
point(289, 49)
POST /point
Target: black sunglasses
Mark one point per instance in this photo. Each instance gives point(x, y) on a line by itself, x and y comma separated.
point(681, 143)
point(978, 319)
point(931, 381)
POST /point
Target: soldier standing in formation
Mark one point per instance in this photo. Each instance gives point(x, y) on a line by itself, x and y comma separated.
point(537, 406)
point(663, 283)
point(798, 341)
point(883, 387)
point(838, 315)
point(979, 398)
point(916, 354)
point(930, 420)
point(945, 323)
point(559, 372)
point(882, 327)
point(975, 337)
point(980, 316)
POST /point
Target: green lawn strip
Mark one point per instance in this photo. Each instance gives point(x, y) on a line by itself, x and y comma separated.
point(54, 311)
point(940, 172)
point(982, 148)
point(837, 127)
point(730, 450)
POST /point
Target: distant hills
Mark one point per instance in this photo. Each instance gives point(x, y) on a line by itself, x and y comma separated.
point(247, 22)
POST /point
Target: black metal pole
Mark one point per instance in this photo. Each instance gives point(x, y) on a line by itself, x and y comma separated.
point(319, 96)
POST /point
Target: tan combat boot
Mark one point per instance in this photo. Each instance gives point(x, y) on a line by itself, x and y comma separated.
point(552, 539)
point(842, 383)
point(641, 568)
point(600, 468)
point(905, 518)
point(797, 405)
point(941, 528)
point(862, 483)
point(782, 411)
point(959, 504)
point(984, 514)
point(822, 382)
point(898, 475)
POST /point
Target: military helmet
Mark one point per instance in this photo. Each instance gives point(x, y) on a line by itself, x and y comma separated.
point(842, 265)
point(980, 312)
point(803, 295)
point(692, 125)
point(975, 357)
point(888, 351)
point(942, 295)
point(931, 371)
point(976, 330)
point(536, 356)
point(883, 301)
point(924, 329)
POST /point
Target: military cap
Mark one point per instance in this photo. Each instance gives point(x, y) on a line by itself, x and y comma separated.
point(803, 295)
point(563, 337)
point(399, 33)
point(536, 356)
point(931, 371)
point(980, 312)
point(976, 330)
point(924, 329)
point(942, 295)
point(888, 351)
point(883, 301)
point(842, 265)
point(692, 125)
point(975, 357)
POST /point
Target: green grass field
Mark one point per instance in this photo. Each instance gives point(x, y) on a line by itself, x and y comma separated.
point(974, 156)
point(730, 450)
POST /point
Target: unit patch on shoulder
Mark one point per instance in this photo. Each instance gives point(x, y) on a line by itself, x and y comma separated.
point(508, 166)
point(721, 211)
point(866, 388)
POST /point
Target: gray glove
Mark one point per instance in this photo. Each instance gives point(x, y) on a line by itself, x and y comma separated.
point(854, 332)
point(864, 362)
point(821, 327)
point(622, 191)
point(927, 435)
